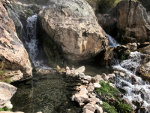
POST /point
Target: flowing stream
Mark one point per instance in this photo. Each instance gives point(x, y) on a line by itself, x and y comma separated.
point(133, 87)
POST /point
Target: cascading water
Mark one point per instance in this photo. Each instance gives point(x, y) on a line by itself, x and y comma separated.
point(112, 41)
point(32, 42)
point(136, 90)
point(31, 34)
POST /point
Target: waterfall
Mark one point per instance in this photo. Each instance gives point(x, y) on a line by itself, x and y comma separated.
point(136, 89)
point(112, 41)
point(32, 42)
point(31, 35)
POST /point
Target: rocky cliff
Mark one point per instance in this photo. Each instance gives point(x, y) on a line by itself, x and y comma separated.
point(13, 55)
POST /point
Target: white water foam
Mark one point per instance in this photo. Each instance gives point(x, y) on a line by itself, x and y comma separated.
point(137, 91)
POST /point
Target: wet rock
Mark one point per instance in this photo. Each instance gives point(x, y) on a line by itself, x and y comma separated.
point(6, 93)
point(122, 90)
point(112, 85)
point(138, 104)
point(45, 71)
point(68, 23)
point(122, 74)
point(143, 45)
point(133, 79)
point(132, 46)
point(60, 70)
point(111, 75)
point(116, 72)
point(122, 52)
point(109, 55)
point(144, 70)
point(144, 94)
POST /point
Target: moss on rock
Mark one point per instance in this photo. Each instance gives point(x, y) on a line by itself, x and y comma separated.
point(113, 102)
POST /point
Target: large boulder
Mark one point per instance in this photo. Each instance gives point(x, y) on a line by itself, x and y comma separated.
point(132, 21)
point(72, 24)
point(128, 22)
point(13, 55)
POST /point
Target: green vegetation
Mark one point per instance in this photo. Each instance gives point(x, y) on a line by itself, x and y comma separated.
point(124, 108)
point(109, 109)
point(106, 89)
point(112, 100)
point(4, 109)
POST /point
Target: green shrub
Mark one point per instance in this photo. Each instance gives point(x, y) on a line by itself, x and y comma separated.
point(124, 108)
point(108, 90)
point(109, 109)
point(112, 100)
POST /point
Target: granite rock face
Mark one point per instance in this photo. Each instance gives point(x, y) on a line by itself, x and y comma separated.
point(133, 21)
point(72, 24)
point(13, 55)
